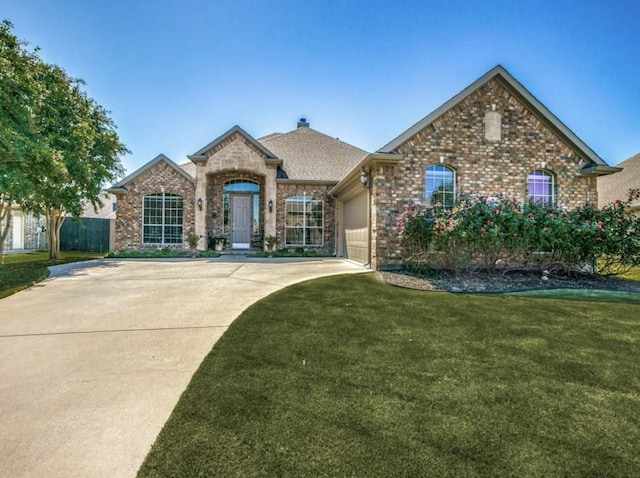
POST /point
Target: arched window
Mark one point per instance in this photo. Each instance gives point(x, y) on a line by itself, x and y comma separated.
point(541, 187)
point(162, 219)
point(439, 185)
point(304, 224)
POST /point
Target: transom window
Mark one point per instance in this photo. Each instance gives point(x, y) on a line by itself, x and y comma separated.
point(162, 219)
point(439, 185)
point(541, 187)
point(241, 186)
point(304, 221)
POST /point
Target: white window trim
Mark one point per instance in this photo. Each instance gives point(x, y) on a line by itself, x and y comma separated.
point(424, 183)
point(162, 225)
point(547, 174)
point(305, 202)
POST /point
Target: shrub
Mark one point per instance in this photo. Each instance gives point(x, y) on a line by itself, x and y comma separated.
point(499, 233)
point(158, 253)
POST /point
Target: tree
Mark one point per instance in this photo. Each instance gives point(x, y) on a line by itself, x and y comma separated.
point(18, 141)
point(71, 148)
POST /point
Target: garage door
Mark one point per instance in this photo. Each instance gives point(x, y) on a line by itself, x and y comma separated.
point(356, 228)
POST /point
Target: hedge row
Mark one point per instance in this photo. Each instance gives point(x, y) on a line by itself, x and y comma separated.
point(491, 234)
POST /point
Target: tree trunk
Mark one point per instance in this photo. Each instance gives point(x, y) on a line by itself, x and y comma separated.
point(55, 219)
point(5, 223)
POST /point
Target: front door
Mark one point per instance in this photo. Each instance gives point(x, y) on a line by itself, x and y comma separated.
point(241, 217)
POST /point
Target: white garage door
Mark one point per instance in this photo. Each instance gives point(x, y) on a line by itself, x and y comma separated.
point(356, 228)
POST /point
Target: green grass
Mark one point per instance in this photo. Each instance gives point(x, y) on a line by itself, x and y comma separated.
point(596, 295)
point(346, 376)
point(21, 270)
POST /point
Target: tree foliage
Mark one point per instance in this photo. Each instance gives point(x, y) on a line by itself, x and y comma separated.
point(59, 147)
point(18, 94)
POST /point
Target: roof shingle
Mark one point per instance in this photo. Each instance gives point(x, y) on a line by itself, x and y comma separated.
point(310, 155)
point(616, 186)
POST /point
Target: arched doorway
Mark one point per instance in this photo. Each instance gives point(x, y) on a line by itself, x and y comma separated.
point(241, 211)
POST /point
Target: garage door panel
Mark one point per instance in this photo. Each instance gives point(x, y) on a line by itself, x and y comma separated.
point(358, 244)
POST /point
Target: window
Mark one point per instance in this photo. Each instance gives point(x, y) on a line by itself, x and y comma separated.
point(304, 221)
point(541, 187)
point(439, 185)
point(241, 186)
point(162, 219)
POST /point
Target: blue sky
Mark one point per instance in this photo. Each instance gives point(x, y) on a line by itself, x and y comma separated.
point(177, 74)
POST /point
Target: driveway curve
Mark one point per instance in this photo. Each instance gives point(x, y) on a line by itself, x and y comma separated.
point(94, 359)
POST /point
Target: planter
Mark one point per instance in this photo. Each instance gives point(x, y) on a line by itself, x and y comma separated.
point(219, 245)
point(270, 242)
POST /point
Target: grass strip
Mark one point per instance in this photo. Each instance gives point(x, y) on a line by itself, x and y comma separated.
point(22, 270)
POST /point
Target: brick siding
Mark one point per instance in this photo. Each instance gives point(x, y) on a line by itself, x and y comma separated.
point(482, 166)
point(316, 191)
point(158, 178)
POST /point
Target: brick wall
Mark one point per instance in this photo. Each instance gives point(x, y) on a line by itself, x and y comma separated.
point(316, 191)
point(492, 167)
point(160, 177)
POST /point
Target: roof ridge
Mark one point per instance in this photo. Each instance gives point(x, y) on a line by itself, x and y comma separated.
point(513, 86)
point(315, 131)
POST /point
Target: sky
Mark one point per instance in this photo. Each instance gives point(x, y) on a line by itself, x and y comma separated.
point(177, 74)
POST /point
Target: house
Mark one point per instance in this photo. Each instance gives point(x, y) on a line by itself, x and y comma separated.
point(616, 187)
point(494, 138)
point(26, 232)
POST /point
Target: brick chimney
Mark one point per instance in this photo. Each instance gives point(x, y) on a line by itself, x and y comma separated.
point(303, 123)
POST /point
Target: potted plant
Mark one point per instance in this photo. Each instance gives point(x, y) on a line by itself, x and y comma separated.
point(217, 242)
point(270, 242)
point(192, 240)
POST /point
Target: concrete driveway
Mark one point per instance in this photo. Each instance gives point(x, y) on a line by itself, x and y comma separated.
point(92, 362)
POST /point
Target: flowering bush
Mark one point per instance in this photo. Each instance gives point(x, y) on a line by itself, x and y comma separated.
point(492, 233)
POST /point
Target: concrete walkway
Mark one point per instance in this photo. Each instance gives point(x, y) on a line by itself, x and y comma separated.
point(93, 360)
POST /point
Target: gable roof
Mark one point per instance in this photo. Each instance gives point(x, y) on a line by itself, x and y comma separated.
point(120, 186)
point(310, 155)
point(200, 155)
point(514, 87)
point(616, 186)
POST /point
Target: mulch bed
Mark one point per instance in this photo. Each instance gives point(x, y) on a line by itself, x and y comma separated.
point(507, 282)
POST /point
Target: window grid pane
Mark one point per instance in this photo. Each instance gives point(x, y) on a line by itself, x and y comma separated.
point(162, 219)
point(304, 222)
point(439, 185)
point(540, 186)
point(255, 229)
point(225, 213)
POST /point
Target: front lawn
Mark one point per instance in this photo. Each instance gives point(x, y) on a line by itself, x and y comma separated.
point(347, 376)
point(21, 270)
